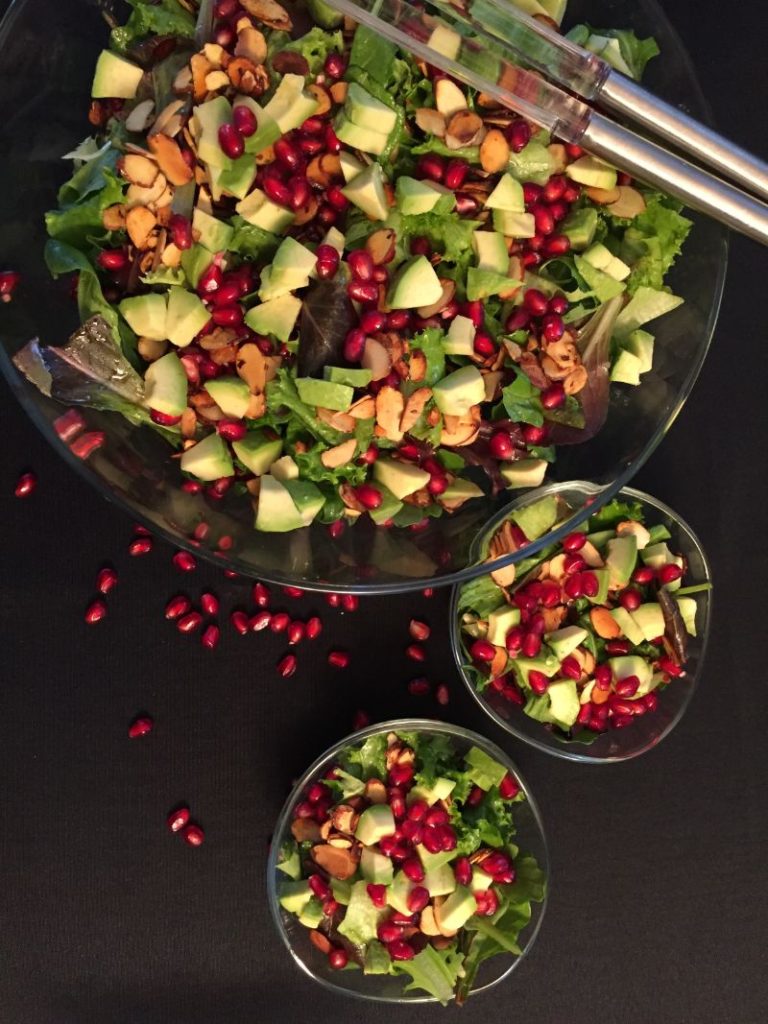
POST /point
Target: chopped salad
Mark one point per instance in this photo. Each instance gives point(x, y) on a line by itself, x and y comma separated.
point(585, 635)
point(402, 862)
point(341, 283)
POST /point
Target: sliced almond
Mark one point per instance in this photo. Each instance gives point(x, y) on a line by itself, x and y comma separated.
point(188, 423)
point(204, 201)
point(139, 196)
point(323, 98)
point(599, 696)
point(629, 205)
point(323, 169)
point(500, 657)
point(376, 359)
point(603, 196)
point(256, 369)
point(216, 80)
point(345, 818)
point(257, 407)
point(465, 128)
point(138, 170)
point(339, 91)
point(449, 290)
point(320, 941)
point(305, 830)
point(251, 44)
point(381, 246)
point(389, 411)
point(591, 555)
point(340, 455)
point(417, 368)
point(494, 152)
point(376, 791)
point(113, 218)
point(449, 98)
point(170, 120)
point(339, 863)
point(306, 213)
point(140, 223)
point(431, 121)
point(503, 578)
point(338, 420)
point(427, 921)
point(270, 13)
point(363, 409)
point(414, 407)
point(458, 431)
point(140, 117)
point(553, 617)
point(163, 203)
point(492, 381)
point(604, 624)
point(576, 381)
point(559, 156)
point(182, 83)
point(200, 68)
point(340, 842)
point(168, 155)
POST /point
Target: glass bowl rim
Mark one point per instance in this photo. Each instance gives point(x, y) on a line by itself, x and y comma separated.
point(574, 755)
point(283, 823)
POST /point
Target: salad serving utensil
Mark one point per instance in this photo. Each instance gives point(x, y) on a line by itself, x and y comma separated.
point(480, 45)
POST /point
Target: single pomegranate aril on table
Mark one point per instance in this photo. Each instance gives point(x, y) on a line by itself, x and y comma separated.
point(240, 621)
point(140, 546)
point(177, 607)
point(442, 694)
point(210, 637)
point(334, 600)
point(9, 282)
point(193, 835)
point(416, 652)
point(140, 727)
point(296, 633)
point(178, 819)
point(669, 573)
point(280, 622)
point(419, 687)
point(338, 659)
point(287, 666)
point(314, 628)
point(190, 622)
point(95, 612)
point(25, 485)
point(260, 594)
point(350, 602)
point(184, 562)
point(106, 580)
point(360, 720)
point(85, 445)
point(419, 630)
point(260, 620)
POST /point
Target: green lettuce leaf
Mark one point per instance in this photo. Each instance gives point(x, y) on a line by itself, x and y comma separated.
point(653, 241)
point(284, 405)
point(371, 756)
point(433, 971)
point(448, 234)
point(80, 221)
point(311, 468)
point(252, 243)
point(481, 596)
point(432, 144)
point(481, 284)
point(373, 53)
point(628, 54)
point(614, 512)
point(89, 178)
point(523, 401)
point(430, 342)
point(315, 46)
point(164, 18)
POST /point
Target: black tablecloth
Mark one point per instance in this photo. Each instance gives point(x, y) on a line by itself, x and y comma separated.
point(659, 901)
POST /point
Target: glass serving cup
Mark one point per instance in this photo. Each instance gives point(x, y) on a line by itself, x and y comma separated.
point(646, 731)
point(44, 116)
point(529, 836)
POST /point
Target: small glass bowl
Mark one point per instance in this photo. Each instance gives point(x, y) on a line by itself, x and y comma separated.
point(529, 836)
point(647, 730)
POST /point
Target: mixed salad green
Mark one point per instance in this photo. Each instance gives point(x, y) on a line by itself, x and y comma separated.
point(586, 634)
point(402, 862)
point(341, 282)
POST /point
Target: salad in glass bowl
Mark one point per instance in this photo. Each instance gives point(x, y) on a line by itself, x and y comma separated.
point(340, 283)
point(409, 864)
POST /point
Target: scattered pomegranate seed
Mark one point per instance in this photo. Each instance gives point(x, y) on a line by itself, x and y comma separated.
point(314, 628)
point(293, 592)
point(260, 595)
point(140, 727)
point(9, 281)
point(442, 695)
point(140, 546)
point(25, 485)
point(87, 444)
point(261, 620)
point(350, 602)
point(334, 600)
point(419, 687)
point(193, 835)
point(508, 787)
point(210, 637)
point(189, 623)
point(69, 425)
point(360, 720)
point(177, 607)
point(209, 603)
point(280, 622)
point(106, 580)
point(178, 819)
point(630, 599)
point(416, 652)
point(287, 666)
point(184, 562)
point(240, 621)
point(428, 592)
point(95, 612)
point(296, 632)
point(338, 659)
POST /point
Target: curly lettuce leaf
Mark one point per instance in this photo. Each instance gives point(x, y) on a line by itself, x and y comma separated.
point(315, 45)
point(90, 176)
point(284, 404)
point(653, 241)
point(614, 512)
point(370, 756)
point(621, 48)
point(163, 18)
point(311, 468)
point(448, 234)
point(435, 972)
point(78, 222)
point(430, 342)
point(522, 401)
point(252, 243)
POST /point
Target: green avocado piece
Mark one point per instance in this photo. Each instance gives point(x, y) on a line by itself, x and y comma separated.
point(375, 822)
point(508, 195)
point(375, 867)
point(398, 892)
point(210, 117)
point(276, 511)
point(342, 890)
point(514, 225)
point(631, 665)
point(209, 459)
point(166, 385)
point(256, 209)
point(565, 641)
point(460, 490)
point(307, 497)
point(353, 378)
point(115, 77)
point(277, 317)
point(456, 394)
point(146, 315)
point(362, 917)
point(231, 394)
point(491, 251)
point(564, 701)
point(186, 317)
point(580, 227)
point(235, 180)
point(366, 192)
point(640, 343)
point(457, 909)
point(324, 393)
point(291, 865)
point(537, 518)
point(440, 881)
point(400, 478)
point(626, 369)
point(688, 609)
point(500, 622)
point(256, 452)
point(460, 339)
point(294, 896)
point(592, 172)
point(621, 559)
point(213, 234)
point(389, 507)
point(368, 140)
point(324, 15)
point(628, 626)
point(416, 196)
point(285, 469)
point(484, 771)
point(416, 285)
point(312, 914)
point(366, 111)
point(440, 789)
point(649, 619)
point(603, 582)
point(547, 664)
point(524, 473)
point(195, 262)
point(434, 861)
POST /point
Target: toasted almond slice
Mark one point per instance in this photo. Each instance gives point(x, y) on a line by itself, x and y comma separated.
point(458, 431)
point(251, 44)
point(604, 623)
point(339, 91)
point(168, 156)
point(270, 13)
point(254, 367)
point(163, 203)
point(449, 98)
point(492, 380)
point(182, 83)
point(599, 696)
point(306, 213)
point(449, 290)
point(169, 120)
point(340, 842)
point(427, 921)
point(414, 407)
point(494, 152)
point(340, 455)
point(249, 78)
point(325, 829)
point(553, 617)
point(113, 218)
point(339, 863)
point(204, 201)
point(257, 407)
point(140, 223)
point(603, 196)
point(188, 423)
point(216, 79)
point(200, 66)
point(138, 170)
point(363, 409)
point(381, 245)
point(323, 98)
point(559, 157)
point(266, 156)
point(389, 411)
point(318, 173)
point(503, 578)
point(320, 941)
point(140, 117)
point(431, 121)
point(416, 367)
point(305, 830)
point(376, 359)
point(463, 128)
point(376, 791)
point(338, 420)
point(576, 381)
point(344, 818)
point(139, 196)
point(629, 205)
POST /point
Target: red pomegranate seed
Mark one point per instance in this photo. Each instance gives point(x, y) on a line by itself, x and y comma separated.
point(388, 931)
point(240, 621)
point(442, 694)
point(368, 496)
point(431, 166)
point(69, 425)
point(501, 445)
point(163, 419)
point(514, 638)
point(210, 637)
point(630, 599)
point(178, 819)
point(545, 222)
point(314, 628)
point(350, 602)
point(279, 622)
point(184, 562)
point(106, 580)
point(332, 143)
point(140, 727)
point(671, 667)
point(419, 630)
point(9, 281)
point(334, 600)
point(651, 701)
point(669, 573)
point(419, 687)
point(483, 344)
point(603, 677)
point(518, 135)
point(177, 607)
point(300, 191)
point(487, 903)
point(87, 444)
point(416, 652)
point(373, 321)
point(643, 575)
point(532, 193)
point(338, 659)
point(573, 587)
point(294, 592)
point(363, 291)
point(231, 141)
point(228, 316)
point(627, 687)
point(557, 245)
point(553, 327)
point(360, 720)
point(617, 647)
point(260, 595)
point(418, 897)
point(335, 65)
point(277, 191)
point(570, 668)
point(455, 175)
point(25, 485)
point(377, 895)
point(531, 645)
point(537, 681)
point(180, 228)
point(361, 264)
point(482, 650)
point(585, 713)
point(354, 345)
point(296, 633)
point(420, 246)
point(189, 623)
point(401, 950)
point(319, 886)
point(95, 612)
point(535, 302)
point(414, 870)
point(574, 542)
point(193, 835)
point(287, 666)
point(589, 584)
point(113, 260)
point(534, 435)
point(209, 603)
point(260, 621)
point(509, 787)
point(245, 121)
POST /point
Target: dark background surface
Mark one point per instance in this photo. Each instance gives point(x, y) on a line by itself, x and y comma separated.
point(659, 903)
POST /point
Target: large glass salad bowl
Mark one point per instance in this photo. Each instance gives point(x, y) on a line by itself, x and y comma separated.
point(133, 464)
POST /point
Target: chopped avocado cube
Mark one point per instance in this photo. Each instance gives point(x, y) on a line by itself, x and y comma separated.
point(294, 258)
point(640, 343)
point(364, 110)
point(500, 622)
point(508, 195)
point(276, 511)
point(256, 452)
point(237, 179)
point(481, 284)
point(650, 620)
point(401, 478)
point(484, 771)
point(514, 225)
point(481, 880)
point(375, 823)
point(537, 518)
point(416, 196)
point(646, 304)
point(441, 789)
point(277, 317)
point(290, 106)
point(565, 641)
point(491, 251)
point(631, 665)
point(290, 865)
point(600, 538)
point(375, 867)
point(580, 227)
point(353, 378)
point(275, 287)
point(166, 386)
point(256, 209)
point(688, 609)
point(362, 917)
point(564, 702)
point(312, 914)
point(603, 582)
point(592, 172)
point(213, 234)
point(294, 896)
point(350, 166)
point(307, 497)
point(524, 473)
point(432, 861)
point(325, 393)
point(398, 892)
point(368, 140)
point(456, 394)
point(461, 490)
point(335, 239)
point(342, 890)
point(457, 910)
point(389, 507)
point(444, 40)
point(440, 881)
point(460, 339)
point(601, 258)
point(209, 459)
point(628, 626)
point(186, 317)
point(285, 469)
point(115, 77)
point(535, 163)
point(195, 262)
point(416, 285)
point(621, 559)
point(626, 369)
point(231, 394)
point(656, 555)
point(210, 117)
point(547, 664)
point(146, 315)
point(366, 191)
